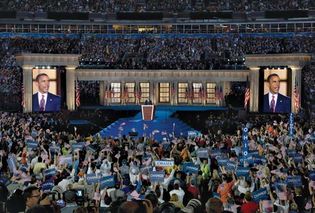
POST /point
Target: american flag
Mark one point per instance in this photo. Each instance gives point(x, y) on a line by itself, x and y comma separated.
point(246, 97)
point(23, 101)
point(296, 96)
point(77, 94)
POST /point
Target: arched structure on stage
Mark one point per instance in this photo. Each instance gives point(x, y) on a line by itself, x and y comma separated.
point(174, 87)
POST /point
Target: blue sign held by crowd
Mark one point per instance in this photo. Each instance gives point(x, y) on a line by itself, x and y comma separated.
point(50, 172)
point(260, 194)
point(31, 144)
point(291, 124)
point(107, 181)
point(312, 175)
point(157, 176)
point(295, 181)
point(92, 179)
point(242, 171)
point(48, 185)
point(202, 153)
point(245, 142)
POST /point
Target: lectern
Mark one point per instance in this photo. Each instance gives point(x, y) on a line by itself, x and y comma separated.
point(147, 112)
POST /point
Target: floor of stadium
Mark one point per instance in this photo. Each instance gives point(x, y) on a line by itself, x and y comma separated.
point(162, 127)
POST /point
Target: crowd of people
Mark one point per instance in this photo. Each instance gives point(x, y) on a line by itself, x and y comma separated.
point(45, 167)
point(113, 6)
point(222, 52)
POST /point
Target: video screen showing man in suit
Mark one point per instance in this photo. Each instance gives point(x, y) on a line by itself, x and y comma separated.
point(44, 101)
point(275, 102)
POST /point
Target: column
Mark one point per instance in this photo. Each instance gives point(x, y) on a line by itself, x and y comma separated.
point(71, 87)
point(254, 89)
point(28, 87)
point(226, 90)
point(102, 93)
point(295, 82)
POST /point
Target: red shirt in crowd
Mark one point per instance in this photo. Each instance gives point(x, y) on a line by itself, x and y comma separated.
point(250, 207)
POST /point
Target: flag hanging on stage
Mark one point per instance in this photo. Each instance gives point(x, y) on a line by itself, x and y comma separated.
point(296, 96)
point(77, 94)
point(247, 95)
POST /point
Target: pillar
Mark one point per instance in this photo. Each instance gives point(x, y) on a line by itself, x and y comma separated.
point(71, 87)
point(254, 89)
point(28, 87)
point(102, 92)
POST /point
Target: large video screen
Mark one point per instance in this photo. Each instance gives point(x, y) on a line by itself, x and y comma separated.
point(46, 90)
point(276, 90)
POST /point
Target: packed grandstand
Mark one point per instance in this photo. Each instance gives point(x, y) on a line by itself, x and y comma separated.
point(50, 163)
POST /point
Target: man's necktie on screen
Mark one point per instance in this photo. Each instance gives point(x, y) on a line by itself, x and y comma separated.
point(272, 104)
point(42, 104)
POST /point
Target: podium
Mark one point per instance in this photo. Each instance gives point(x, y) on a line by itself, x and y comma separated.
point(147, 112)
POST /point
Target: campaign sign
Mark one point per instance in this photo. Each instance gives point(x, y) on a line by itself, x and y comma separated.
point(259, 160)
point(92, 179)
point(164, 163)
point(202, 153)
point(192, 169)
point(291, 153)
point(31, 144)
point(222, 161)
point(107, 181)
point(298, 158)
point(294, 181)
point(312, 175)
point(77, 146)
point(242, 171)
point(157, 176)
point(66, 160)
point(260, 194)
point(291, 124)
point(254, 154)
point(215, 153)
point(54, 149)
point(245, 142)
point(231, 166)
point(48, 185)
point(50, 172)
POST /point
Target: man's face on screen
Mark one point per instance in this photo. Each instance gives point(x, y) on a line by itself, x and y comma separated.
point(274, 84)
point(43, 84)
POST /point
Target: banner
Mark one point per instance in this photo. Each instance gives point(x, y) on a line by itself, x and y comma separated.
point(47, 186)
point(77, 146)
point(107, 181)
point(202, 153)
point(298, 158)
point(222, 161)
point(190, 167)
point(231, 166)
point(65, 159)
point(295, 181)
point(92, 179)
point(242, 171)
point(31, 144)
point(157, 176)
point(164, 163)
point(245, 143)
point(215, 153)
point(50, 172)
point(291, 124)
point(291, 152)
point(260, 194)
point(312, 175)
point(192, 134)
point(54, 149)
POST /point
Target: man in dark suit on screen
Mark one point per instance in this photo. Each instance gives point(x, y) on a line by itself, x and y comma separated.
point(43, 101)
point(273, 101)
